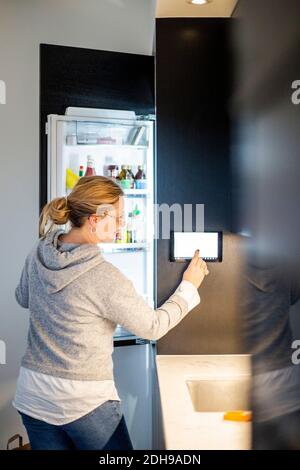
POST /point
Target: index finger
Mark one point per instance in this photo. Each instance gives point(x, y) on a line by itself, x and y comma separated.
point(196, 256)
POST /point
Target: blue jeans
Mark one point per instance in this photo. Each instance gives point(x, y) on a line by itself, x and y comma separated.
point(104, 428)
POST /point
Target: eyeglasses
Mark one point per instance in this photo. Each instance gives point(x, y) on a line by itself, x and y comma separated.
point(119, 218)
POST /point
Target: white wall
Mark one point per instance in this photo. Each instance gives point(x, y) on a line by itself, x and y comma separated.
point(115, 25)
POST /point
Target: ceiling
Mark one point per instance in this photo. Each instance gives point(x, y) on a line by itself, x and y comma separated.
point(180, 8)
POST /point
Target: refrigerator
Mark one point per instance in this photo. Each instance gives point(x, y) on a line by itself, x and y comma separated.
point(113, 138)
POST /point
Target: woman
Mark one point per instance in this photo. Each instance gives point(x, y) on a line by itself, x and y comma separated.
point(66, 393)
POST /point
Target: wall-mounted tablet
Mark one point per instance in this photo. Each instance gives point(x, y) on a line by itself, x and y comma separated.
point(184, 244)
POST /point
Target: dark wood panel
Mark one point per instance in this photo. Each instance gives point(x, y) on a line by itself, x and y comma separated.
point(193, 84)
point(193, 91)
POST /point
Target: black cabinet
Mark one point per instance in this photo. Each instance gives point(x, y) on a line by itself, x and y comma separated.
point(193, 86)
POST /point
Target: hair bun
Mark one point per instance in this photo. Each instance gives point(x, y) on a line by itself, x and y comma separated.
point(58, 210)
point(87, 195)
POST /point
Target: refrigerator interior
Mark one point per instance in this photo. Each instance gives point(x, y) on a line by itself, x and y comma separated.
point(110, 141)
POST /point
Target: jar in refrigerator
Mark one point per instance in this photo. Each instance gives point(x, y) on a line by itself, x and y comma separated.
point(90, 167)
point(140, 178)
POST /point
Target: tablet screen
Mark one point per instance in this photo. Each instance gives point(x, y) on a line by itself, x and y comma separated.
point(209, 244)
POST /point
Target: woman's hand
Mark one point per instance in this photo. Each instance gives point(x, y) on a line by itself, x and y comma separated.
point(196, 271)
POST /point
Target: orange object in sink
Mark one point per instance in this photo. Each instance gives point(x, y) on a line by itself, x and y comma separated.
point(238, 415)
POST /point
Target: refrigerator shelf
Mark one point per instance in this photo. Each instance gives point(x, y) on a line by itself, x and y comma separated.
point(136, 192)
point(125, 146)
point(123, 247)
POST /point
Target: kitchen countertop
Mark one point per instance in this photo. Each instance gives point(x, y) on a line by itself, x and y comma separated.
point(185, 428)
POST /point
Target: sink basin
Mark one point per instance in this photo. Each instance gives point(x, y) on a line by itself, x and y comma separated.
point(220, 394)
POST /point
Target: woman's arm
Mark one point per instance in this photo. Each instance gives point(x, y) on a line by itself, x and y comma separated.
point(21, 292)
point(128, 309)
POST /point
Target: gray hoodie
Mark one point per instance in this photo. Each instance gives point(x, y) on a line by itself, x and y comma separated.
point(76, 298)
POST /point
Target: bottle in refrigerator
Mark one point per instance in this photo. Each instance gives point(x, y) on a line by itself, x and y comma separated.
point(90, 167)
point(140, 178)
point(81, 171)
point(118, 238)
point(107, 163)
point(130, 176)
point(121, 236)
point(130, 229)
point(122, 173)
point(113, 172)
point(125, 177)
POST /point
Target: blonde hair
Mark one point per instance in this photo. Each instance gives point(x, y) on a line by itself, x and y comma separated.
point(89, 193)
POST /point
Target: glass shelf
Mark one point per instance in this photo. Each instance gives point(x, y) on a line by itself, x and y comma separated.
point(123, 247)
point(125, 146)
point(136, 192)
